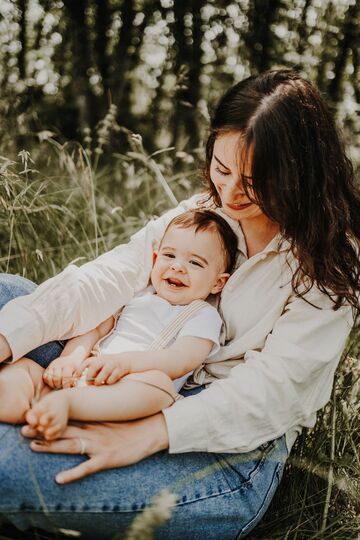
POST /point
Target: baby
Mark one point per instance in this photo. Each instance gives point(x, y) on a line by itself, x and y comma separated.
point(126, 373)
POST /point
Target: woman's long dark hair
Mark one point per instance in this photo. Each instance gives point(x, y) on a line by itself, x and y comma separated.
point(301, 177)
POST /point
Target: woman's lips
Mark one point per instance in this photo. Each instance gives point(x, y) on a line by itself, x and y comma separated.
point(238, 206)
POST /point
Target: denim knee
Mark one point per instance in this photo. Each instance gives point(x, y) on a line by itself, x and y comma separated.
point(12, 286)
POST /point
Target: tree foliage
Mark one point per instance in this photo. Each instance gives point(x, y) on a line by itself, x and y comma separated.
point(163, 61)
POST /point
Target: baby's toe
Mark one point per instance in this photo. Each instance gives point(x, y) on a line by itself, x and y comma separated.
point(53, 433)
point(46, 419)
point(31, 417)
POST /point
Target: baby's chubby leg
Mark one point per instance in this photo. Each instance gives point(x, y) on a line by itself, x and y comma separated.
point(19, 384)
point(127, 399)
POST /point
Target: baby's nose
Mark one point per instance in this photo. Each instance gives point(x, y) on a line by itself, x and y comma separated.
point(178, 266)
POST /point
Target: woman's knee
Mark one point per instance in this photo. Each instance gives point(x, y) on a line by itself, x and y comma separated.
point(12, 286)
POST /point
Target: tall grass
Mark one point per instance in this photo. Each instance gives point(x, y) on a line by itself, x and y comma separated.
point(62, 203)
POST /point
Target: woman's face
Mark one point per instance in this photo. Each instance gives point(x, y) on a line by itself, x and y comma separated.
point(226, 177)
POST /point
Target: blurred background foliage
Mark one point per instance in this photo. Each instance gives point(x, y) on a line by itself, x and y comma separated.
point(164, 62)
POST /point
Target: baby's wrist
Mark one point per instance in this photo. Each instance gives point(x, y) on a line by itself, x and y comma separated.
point(70, 358)
point(128, 363)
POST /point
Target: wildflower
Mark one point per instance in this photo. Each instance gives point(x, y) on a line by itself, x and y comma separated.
point(154, 516)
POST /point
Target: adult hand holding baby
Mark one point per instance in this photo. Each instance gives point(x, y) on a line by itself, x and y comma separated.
point(108, 445)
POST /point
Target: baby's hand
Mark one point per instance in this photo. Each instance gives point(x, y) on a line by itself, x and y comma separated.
point(105, 369)
point(60, 373)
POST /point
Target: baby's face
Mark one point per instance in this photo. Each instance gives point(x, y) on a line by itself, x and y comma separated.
point(188, 265)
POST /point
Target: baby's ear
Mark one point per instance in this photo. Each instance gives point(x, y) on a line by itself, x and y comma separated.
point(220, 283)
point(155, 254)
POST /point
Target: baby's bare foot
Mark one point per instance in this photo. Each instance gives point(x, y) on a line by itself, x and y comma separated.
point(50, 415)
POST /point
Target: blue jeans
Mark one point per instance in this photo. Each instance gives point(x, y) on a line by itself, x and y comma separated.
point(219, 496)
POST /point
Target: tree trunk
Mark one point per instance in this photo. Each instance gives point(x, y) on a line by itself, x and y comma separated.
point(356, 73)
point(260, 38)
point(326, 55)
point(121, 56)
point(133, 61)
point(195, 73)
point(303, 31)
point(102, 24)
point(182, 62)
point(22, 4)
point(82, 93)
point(348, 41)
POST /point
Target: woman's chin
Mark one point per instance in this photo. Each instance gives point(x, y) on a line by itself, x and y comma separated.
point(248, 211)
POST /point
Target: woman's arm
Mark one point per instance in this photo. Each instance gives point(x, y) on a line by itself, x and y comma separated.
point(274, 390)
point(78, 299)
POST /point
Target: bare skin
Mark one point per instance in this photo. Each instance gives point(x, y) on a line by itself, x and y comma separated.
point(108, 445)
point(127, 399)
point(258, 229)
point(25, 398)
point(20, 383)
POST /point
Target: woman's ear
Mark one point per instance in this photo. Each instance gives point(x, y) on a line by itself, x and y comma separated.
point(220, 283)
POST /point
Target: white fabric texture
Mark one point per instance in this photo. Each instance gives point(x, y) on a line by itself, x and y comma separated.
point(276, 364)
point(144, 318)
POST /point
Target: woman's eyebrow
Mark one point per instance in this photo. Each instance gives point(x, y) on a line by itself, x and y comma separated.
point(218, 160)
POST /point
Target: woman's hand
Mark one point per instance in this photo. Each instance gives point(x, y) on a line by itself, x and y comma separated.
point(61, 372)
point(106, 368)
point(108, 445)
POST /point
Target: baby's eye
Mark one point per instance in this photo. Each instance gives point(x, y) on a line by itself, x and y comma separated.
point(196, 263)
point(223, 173)
point(168, 255)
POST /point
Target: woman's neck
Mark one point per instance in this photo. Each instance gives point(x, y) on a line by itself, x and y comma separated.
point(258, 232)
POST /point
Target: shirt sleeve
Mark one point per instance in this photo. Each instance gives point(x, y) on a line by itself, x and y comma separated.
point(205, 324)
point(80, 298)
point(274, 390)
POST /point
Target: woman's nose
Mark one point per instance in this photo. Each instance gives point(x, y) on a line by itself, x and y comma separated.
point(233, 190)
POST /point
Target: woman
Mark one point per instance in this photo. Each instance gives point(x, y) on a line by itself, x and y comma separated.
point(278, 173)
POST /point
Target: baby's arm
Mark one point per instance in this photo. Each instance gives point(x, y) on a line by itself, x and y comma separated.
point(61, 371)
point(184, 355)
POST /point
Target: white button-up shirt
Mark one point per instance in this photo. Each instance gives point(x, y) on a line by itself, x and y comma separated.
point(279, 352)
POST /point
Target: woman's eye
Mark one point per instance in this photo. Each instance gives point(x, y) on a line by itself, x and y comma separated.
point(196, 263)
point(223, 173)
